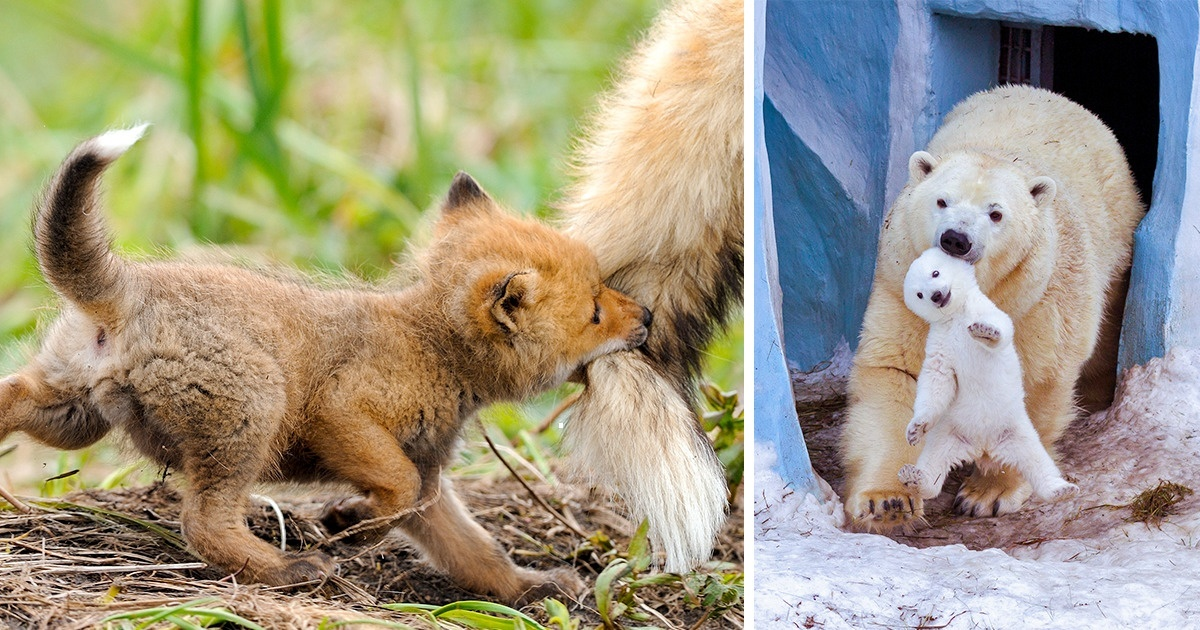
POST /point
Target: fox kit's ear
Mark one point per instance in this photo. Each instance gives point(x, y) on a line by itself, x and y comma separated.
point(465, 193)
point(508, 296)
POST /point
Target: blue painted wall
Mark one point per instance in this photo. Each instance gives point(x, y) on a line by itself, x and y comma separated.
point(849, 90)
point(775, 418)
point(852, 89)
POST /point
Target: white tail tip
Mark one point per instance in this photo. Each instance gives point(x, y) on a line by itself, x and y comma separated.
point(111, 144)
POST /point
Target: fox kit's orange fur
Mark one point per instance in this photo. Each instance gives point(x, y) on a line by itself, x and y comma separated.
point(233, 377)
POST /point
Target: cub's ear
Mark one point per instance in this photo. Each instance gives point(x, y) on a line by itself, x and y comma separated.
point(920, 165)
point(465, 193)
point(1042, 189)
point(511, 293)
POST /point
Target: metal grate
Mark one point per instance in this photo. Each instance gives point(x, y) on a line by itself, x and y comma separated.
point(1020, 55)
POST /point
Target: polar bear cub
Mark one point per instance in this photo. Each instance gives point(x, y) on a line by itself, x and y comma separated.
point(970, 400)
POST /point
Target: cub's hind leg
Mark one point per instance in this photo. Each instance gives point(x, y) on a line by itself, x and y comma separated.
point(456, 544)
point(224, 418)
point(56, 417)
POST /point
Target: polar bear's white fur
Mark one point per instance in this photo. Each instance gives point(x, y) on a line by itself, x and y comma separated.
point(1035, 190)
point(970, 400)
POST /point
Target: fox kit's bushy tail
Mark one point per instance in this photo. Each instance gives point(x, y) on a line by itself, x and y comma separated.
point(659, 198)
point(69, 235)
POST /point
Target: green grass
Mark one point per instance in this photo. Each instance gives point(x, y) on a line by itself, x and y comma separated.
point(313, 133)
point(317, 134)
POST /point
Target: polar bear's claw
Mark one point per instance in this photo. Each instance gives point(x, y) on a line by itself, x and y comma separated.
point(986, 333)
point(886, 510)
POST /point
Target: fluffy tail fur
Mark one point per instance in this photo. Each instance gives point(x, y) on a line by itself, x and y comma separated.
point(659, 198)
point(70, 238)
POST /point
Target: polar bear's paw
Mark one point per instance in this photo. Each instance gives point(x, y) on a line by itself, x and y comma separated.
point(991, 493)
point(885, 510)
point(1060, 489)
point(985, 333)
point(916, 431)
point(911, 476)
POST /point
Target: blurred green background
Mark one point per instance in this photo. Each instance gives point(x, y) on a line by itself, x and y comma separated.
point(312, 133)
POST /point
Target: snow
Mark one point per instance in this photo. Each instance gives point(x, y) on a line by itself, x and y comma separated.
point(1073, 564)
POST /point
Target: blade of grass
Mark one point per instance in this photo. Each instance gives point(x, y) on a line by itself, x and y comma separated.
point(66, 506)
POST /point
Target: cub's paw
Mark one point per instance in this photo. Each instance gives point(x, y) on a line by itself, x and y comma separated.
point(916, 431)
point(986, 333)
point(991, 493)
point(911, 476)
point(1061, 489)
point(559, 583)
point(885, 510)
point(310, 566)
point(342, 514)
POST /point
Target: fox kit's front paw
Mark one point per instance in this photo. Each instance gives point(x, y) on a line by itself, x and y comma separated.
point(986, 333)
point(539, 585)
point(916, 431)
point(342, 514)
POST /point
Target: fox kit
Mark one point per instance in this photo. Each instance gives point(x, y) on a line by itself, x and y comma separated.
point(234, 378)
point(659, 197)
point(970, 400)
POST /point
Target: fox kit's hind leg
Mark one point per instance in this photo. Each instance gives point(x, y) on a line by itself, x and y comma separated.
point(224, 411)
point(55, 417)
point(456, 544)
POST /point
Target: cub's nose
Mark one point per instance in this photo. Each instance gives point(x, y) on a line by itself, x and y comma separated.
point(955, 243)
point(647, 317)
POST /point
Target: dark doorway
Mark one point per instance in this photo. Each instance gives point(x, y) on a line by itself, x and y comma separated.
point(1115, 76)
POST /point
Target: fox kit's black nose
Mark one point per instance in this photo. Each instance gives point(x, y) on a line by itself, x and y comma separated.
point(955, 243)
point(647, 317)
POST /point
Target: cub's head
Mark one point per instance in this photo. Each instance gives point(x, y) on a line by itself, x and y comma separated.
point(968, 204)
point(524, 297)
point(937, 284)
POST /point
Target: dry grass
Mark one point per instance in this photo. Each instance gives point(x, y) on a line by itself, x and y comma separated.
point(1153, 505)
point(73, 563)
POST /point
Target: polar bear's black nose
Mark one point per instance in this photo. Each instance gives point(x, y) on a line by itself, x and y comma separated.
point(955, 243)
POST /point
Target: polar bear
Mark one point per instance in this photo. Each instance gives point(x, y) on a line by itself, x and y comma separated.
point(970, 401)
point(1035, 192)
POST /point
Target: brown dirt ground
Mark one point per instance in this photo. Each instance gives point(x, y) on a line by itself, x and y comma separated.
point(66, 568)
point(1095, 513)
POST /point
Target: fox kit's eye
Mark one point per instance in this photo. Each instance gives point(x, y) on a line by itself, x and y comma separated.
point(936, 273)
point(920, 296)
point(596, 314)
point(941, 203)
point(995, 216)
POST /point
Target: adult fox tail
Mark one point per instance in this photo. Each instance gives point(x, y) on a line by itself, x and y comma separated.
point(659, 197)
point(69, 235)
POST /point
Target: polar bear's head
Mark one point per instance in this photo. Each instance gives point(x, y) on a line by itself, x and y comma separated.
point(937, 285)
point(969, 203)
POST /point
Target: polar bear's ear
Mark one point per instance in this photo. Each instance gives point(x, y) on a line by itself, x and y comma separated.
point(1042, 189)
point(920, 165)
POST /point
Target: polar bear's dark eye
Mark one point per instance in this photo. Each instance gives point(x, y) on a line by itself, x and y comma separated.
point(941, 203)
point(919, 296)
point(936, 273)
point(995, 216)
